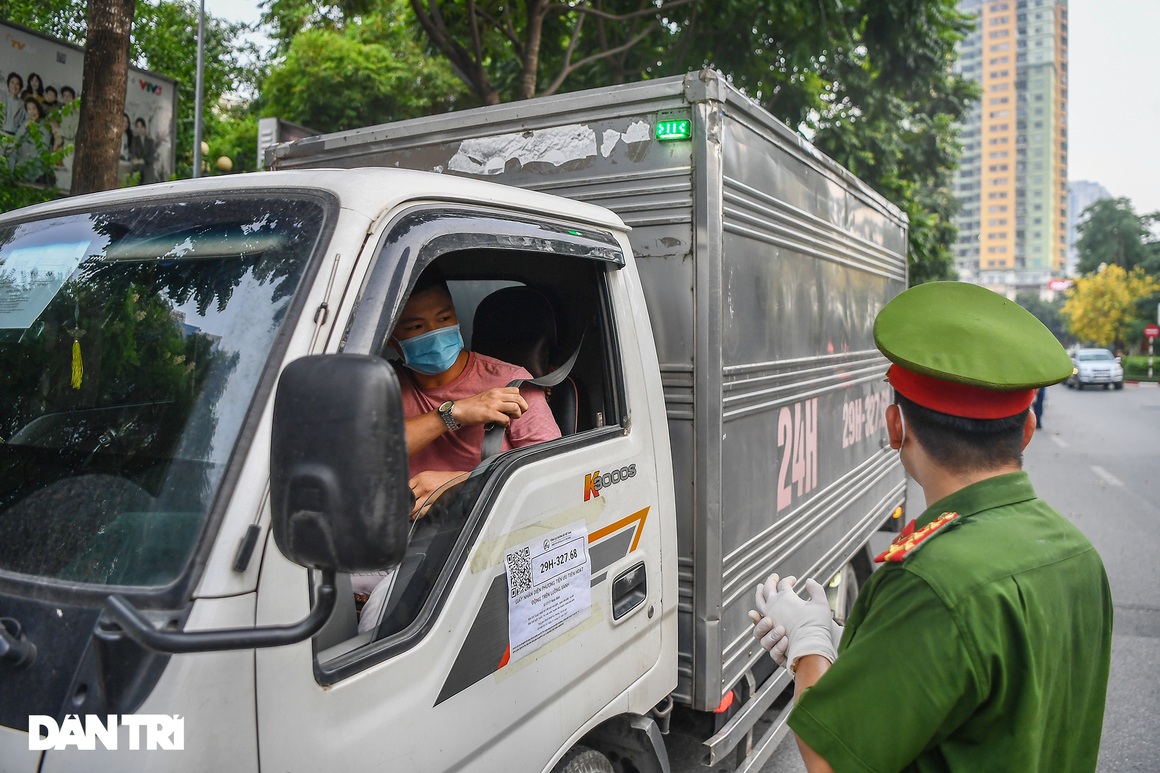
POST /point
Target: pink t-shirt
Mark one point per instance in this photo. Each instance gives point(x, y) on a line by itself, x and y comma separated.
point(460, 450)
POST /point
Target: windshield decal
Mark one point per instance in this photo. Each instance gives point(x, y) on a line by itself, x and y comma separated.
point(30, 277)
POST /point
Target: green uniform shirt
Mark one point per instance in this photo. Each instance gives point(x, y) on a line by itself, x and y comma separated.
point(985, 649)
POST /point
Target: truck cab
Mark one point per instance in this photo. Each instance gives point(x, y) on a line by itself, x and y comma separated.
point(202, 447)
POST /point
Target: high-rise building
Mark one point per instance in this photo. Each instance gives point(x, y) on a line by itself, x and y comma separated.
point(1012, 180)
point(1081, 195)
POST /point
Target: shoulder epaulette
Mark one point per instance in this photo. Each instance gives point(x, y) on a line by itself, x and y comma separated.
point(910, 539)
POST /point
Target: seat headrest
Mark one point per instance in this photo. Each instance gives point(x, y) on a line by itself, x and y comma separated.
point(516, 325)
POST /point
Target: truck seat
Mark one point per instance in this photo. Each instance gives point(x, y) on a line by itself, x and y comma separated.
point(518, 325)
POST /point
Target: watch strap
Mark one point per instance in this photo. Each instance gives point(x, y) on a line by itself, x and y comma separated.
point(445, 411)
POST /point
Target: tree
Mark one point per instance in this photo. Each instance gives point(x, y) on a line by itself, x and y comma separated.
point(869, 81)
point(109, 23)
point(505, 51)
point(336, 77)
point(1103, 307)
point(892, 117)
point(64, 19)
point(1113, 234)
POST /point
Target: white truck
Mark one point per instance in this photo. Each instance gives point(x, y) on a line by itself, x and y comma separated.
point(203, 443)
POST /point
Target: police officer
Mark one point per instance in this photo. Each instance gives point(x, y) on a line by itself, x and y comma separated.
point(983, 641)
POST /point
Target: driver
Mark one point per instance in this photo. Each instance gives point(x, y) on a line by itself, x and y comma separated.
point(449, 395)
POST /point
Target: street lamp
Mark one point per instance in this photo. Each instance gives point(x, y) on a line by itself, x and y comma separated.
point(197, 107)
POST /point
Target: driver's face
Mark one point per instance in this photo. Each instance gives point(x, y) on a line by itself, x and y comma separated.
point(424, 312)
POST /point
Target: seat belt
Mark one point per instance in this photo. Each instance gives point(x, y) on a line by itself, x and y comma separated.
point(493, 433)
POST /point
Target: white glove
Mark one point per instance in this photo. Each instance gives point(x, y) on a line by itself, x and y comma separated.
point(807, 625)
point(772, 637)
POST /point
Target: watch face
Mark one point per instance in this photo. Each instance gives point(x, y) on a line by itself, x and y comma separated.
point(448, 416)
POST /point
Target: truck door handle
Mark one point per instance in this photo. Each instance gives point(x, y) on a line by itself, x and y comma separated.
point(629, 589)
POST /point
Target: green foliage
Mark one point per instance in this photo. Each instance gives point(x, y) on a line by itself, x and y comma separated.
point(1136, 366)
point(235, 136)
point(891, 116)
point(869, 81)
point(1114, 234)
point(64, 19)
point(367, 73)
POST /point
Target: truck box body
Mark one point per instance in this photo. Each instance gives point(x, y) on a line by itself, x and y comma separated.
point(763, 264)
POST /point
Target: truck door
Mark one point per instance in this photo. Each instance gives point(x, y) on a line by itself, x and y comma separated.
point(530, 600)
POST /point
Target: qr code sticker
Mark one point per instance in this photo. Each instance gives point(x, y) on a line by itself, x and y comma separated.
point(519, 565)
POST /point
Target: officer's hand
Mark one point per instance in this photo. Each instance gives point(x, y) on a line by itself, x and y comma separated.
point(771, 636)
point(765, 593)
point(808, 623)
point(499, 406)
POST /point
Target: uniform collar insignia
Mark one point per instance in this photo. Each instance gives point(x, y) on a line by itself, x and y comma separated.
point(910, 539)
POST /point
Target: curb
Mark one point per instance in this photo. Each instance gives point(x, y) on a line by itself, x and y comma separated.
point(1145, 384)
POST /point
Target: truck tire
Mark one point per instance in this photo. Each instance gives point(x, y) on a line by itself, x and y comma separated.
point(581, 759)
point(1119, 385)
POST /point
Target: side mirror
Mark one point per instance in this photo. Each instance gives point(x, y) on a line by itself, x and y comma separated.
point(338, 464)
point(338, 491)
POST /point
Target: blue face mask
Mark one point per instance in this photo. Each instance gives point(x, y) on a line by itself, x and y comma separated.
point(432, 352)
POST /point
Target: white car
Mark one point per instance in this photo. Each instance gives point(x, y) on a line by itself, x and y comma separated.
point(1094, 367)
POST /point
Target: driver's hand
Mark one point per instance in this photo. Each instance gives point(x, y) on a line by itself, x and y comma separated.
point(499, 406)
point(426, 487)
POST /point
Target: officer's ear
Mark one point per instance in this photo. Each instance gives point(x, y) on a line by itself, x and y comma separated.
point(1028, 428)
point(894, 426)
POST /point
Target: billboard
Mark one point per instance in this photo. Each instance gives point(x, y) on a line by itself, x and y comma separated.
point(43, 74)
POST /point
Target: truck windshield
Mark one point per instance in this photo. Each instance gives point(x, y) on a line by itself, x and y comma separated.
point(132, 341)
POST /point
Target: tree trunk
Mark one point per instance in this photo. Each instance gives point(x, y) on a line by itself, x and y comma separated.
point(530, 67)
point(103, 86)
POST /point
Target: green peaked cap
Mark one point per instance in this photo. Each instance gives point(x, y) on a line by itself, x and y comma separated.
point(967, 334)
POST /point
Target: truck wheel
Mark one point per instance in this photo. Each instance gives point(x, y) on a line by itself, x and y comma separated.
point(1119, 385)
point(581, 759)
point(1079, 385)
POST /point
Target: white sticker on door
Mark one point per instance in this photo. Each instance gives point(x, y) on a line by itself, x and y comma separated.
point(549, 588)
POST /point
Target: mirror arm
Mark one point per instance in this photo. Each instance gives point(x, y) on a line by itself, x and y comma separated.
point(130, 622)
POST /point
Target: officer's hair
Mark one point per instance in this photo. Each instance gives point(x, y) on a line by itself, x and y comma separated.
point(968, 445)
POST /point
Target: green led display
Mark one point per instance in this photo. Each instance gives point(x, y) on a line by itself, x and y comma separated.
point(676, 129)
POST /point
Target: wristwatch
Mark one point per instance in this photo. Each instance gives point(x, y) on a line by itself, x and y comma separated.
point(448, 418)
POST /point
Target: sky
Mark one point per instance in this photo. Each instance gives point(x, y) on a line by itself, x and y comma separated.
point(1114, 97)
point(1114, 108)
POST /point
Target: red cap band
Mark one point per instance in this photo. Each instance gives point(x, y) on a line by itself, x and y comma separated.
point(955, 399)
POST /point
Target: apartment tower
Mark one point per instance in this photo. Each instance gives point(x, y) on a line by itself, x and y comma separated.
point(1012, 180)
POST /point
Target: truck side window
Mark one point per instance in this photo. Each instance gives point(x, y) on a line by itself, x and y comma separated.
point(514, 322)
point(537, 312)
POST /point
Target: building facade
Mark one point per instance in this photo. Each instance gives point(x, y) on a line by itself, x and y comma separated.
point(1012, 179)
point(1081, 195)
